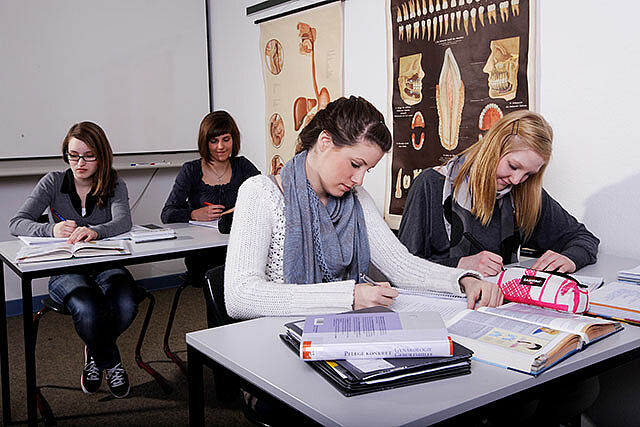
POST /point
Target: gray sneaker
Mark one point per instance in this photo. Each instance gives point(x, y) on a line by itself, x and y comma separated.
point(118, 381)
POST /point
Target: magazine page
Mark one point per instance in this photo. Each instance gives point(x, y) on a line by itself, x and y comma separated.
point(512, 343)
point(446, 307)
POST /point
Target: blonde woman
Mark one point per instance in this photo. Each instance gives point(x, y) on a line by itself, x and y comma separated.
point(479, 209)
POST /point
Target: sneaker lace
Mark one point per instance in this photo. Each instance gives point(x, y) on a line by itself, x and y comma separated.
point(115, 375)
point(93, 373)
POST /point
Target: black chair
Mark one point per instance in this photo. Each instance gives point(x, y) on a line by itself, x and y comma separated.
point(50, 305)
point(214, 280)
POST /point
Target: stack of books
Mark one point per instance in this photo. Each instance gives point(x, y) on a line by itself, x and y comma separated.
point(620, 301)
point(377, 349)
point(630, 276)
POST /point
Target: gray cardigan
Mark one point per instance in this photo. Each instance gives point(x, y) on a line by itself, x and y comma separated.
point(56, 191)
point(422, 229)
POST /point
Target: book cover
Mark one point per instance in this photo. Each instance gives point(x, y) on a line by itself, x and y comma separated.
point(367, 335)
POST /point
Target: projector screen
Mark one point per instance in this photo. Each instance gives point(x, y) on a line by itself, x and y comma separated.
point(138, 68)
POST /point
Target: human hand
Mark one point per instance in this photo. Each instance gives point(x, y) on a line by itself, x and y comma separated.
point(64, 228)
point(366, 295)
point(485, 262)
point(82, 234)
point(481, 292)
point(553, 261)
point(207, 213)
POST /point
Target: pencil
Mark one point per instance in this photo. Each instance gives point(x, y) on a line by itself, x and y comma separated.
point(474, 242)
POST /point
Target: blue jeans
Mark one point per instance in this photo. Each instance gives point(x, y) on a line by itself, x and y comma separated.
point(102, 305)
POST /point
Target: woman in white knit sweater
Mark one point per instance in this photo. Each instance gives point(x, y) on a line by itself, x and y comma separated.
point(300, 240)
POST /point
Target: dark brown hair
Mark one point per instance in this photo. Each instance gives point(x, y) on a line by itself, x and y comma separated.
point(215, 124)
point(105, 177)
point(348, 121)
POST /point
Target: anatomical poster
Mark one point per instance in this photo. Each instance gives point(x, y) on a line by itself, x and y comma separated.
point(455, 68)
point(302, 56)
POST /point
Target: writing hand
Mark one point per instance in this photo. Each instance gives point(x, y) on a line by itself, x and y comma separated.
point(485, 262)
point(553, 261)
point(82, 234)
point(480, 293)
point(207, 213)
point(366, 295)
point(64, 228)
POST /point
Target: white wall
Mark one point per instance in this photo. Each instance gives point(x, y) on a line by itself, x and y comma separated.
point(587, 66)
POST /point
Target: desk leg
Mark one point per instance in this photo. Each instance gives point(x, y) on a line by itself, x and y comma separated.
point(4, 354)
point(29, 350)
point(196, 388)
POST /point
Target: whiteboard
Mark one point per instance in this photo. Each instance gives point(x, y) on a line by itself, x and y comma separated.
point(138, 68)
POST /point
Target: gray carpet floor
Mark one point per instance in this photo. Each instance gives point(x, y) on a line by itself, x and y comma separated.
point(59, 356)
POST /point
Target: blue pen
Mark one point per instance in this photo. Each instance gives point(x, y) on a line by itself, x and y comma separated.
point(60, 217)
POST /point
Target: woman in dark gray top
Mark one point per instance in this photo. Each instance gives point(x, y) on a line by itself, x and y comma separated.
point(206, 189)
point(87, 202)
point(477, 210)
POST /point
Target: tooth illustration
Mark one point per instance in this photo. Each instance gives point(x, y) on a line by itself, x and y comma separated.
point(406, 182)
point(481, 14)
point(435, 27)
point(515, 7)
point(473, 19)
point(437, 5)
point(407, 31)
point(399, 17)
point(412, 9)
point(416, 30)
point(470, 1)
point(465, 17)
point(428, 28)
point(416, 172)
point(449, 101)
point(401, 32)
point(418, 9)
point(445, 5)
point(423, 24)
point(440, 19)
point(431, 9)
point(452, 18)
point(424, 7)
point(398, 193)
point(405, 11)
point(446, 23)
point(491, 13)
point(504, 11)
point(453, 3)
point(458, 15)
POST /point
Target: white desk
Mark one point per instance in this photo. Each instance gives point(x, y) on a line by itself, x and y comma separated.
point(189, 239)
point(253, 350)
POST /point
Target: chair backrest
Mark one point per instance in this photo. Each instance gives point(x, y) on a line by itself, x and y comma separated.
point(214, 279)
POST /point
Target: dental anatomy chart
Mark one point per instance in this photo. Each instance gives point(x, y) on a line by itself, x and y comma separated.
point(455, 68)
point(302, 58)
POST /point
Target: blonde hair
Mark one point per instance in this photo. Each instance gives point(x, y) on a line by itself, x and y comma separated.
point(518, 130)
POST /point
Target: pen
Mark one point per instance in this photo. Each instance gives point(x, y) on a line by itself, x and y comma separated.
point(60, 217)
point(368, 280)
point(208, 204)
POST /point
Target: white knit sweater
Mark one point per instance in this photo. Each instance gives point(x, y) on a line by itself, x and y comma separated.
point(254, 278)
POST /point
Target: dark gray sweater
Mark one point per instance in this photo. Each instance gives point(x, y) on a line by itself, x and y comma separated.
point(422, 229)
point(57, 191)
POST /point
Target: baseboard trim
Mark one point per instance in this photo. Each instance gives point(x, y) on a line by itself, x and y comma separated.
point(14, 307)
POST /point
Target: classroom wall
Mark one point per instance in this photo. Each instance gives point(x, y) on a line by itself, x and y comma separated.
point(587, 63)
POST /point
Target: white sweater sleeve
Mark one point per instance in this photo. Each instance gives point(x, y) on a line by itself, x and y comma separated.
point(249, 292)
point(393, 259)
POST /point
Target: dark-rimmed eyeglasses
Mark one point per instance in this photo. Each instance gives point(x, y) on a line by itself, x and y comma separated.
point(76, 157)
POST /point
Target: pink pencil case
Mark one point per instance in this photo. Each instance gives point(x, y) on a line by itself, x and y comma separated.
point(558, 291)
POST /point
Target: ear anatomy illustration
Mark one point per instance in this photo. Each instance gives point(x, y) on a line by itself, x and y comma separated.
point(410, 75)
point(502, 68)
point(276, 129)
point(302, 107)
point(274, 56)
point(449, 101)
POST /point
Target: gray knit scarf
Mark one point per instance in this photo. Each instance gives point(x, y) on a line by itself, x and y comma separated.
point(322, 243)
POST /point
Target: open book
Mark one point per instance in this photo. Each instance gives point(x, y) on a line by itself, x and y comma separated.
point(517, 336)
point(57, 251)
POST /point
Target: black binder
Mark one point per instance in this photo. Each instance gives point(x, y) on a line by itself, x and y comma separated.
point(350, 381)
